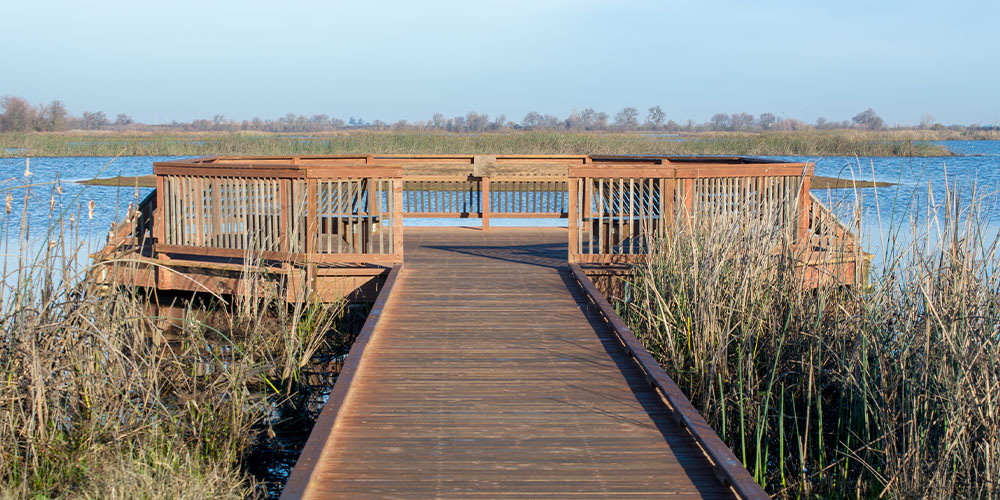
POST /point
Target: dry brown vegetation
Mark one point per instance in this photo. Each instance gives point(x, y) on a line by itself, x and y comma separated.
point(801, 143)
point(92, 407)
point(886, 390)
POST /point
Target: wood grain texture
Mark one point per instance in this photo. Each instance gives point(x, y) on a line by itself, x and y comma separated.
point(492, 375)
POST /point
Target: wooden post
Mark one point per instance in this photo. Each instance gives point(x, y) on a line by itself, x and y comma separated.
point(199, 209)
point(574, 219)
point(397, 217)
point(805, 202)
point(312, 231)
point(689, 199)
point(216, 215)
point(161, 224)
point(485, 202)
point(283, 220)
point(668, 188)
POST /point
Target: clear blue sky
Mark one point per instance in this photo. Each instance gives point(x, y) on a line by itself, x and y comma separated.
point(179, 60)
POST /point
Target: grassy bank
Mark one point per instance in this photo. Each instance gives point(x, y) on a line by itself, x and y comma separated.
point(93, 406)
point(806, 143)
point(882, 391)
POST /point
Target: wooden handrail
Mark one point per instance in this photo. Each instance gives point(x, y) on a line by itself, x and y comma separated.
point(728, 468)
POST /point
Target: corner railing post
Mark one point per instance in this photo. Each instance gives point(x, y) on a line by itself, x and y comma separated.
point(161, 224)
point(397, 217)
point(804, 204)
point(485, 202)
point(574, 218)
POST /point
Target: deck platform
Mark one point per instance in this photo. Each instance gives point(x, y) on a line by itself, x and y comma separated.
point(490, 365)
point(491, 375)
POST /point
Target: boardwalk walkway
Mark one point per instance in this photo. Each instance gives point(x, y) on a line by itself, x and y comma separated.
point(491, 376)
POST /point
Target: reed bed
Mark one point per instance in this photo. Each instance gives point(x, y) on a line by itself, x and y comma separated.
point(802, 143)
point(883, 390)
point(95, 404)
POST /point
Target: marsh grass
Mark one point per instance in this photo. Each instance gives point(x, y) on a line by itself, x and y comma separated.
point(803, 143)
point(886, 390)
point(91, 406)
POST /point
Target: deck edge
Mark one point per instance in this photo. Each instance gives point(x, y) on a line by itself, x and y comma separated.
point(728, 469)
point(303, 473)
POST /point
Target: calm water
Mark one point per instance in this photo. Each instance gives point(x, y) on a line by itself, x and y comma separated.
point(918, 179)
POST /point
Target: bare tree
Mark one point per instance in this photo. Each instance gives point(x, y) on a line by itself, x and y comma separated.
point(656, 117)
point(720, 121)
point(627, 119)
point(741, 121)
point(499, 123)
point(476, 122)
point(54, 116)
point(927, 120)
point(532, 120)
point(94, 121)
point(123, 120)
point(868, 119)
point(767, 121)
point(18, 115)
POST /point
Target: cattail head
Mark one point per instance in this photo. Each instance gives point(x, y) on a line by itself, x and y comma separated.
point(59, 189)
point(27, 167)
point(52, 244)
point(90, 210)
point(52, 203)
point(9, 203)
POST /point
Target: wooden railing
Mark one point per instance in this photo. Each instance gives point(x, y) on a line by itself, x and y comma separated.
point(826, 231)
point(617, 208)
point(343, 213)
point(485, 197)
point(349, 209)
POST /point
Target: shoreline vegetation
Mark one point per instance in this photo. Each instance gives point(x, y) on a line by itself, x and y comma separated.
point(818, 182)
point(846, 142)
point(884, 390)
point(107, 395)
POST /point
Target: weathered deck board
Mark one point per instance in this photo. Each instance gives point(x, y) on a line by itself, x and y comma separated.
point(490, 375)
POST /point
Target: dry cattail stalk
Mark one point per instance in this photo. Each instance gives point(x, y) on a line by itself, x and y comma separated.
point(27, 167)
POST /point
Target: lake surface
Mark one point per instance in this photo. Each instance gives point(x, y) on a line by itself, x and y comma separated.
point(918, 180)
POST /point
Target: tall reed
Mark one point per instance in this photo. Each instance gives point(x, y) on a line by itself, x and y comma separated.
point(882, 390)
point(92, 406)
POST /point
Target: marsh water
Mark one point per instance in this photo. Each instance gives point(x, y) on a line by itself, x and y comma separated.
point(56, 202)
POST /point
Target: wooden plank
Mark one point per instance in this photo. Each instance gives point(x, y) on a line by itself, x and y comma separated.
point(513, 389)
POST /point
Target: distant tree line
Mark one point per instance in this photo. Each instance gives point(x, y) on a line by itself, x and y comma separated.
point(21, 116)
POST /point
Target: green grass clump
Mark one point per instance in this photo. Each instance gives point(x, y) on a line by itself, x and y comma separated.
point(804, 143)
point(886, 390)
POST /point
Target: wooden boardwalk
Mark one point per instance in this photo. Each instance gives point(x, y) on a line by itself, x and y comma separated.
point(491, 375)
